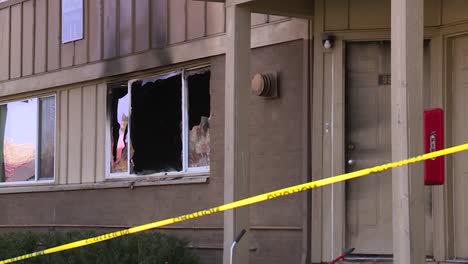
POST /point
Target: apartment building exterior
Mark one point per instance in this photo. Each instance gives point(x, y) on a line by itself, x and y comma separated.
point(117, 113)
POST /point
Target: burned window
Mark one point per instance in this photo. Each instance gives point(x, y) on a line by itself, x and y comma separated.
point(27, 140)
point(118, 103)
point(160, 124)
point(199, 118)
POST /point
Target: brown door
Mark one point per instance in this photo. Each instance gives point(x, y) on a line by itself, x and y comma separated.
point(368, 139)
point(368, 143)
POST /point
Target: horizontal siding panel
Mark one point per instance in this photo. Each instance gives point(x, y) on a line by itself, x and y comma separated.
point(196, 18)
point(159, 23)
point(95, 29)
point(378, 18)
point(74, 135)
point(100, 132)
point(215, 18)
point(336, 14)
point(40, 35)
point(432, 12)
point(142, 25)
point(110, 28)
point(258, 19)
point(81, 46)
point(5, 43)
point(177, 20)
point(53, 36)
point(67, 50)
point(63, 137)
point(15, 41)
point(125, 27)
point(89, 143)
point(28, 38)
point(275, 18)
point(454, 11)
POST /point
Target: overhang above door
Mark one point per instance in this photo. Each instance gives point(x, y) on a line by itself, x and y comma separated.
point(290, 8)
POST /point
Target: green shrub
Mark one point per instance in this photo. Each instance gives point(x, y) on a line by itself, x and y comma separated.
point(154, 248)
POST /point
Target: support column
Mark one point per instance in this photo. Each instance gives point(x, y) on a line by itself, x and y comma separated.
point(236, 134)
point(407, 130)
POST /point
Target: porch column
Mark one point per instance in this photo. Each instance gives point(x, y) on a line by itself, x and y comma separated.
point(236, 134)
point(407, 130)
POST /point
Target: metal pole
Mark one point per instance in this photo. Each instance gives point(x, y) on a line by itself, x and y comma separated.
point(239, 237)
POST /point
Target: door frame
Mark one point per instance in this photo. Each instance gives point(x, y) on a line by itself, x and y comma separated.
point(444, 99)
point(328, 119)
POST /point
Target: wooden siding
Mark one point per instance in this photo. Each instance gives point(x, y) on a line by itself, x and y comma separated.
point(40, 38)
point(82, 122)
point(4, 44)
point(369, 14)
point(28, 38)
point(30, 31)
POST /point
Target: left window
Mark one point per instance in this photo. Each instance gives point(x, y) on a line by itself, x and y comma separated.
point(27, 140)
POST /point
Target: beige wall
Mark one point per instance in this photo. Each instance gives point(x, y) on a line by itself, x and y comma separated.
point(30, 31)
point(369, 14)
point(112, 28)
point(276, 127)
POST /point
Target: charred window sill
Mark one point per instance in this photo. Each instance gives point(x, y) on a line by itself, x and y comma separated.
point(158, 179)
point(109, 184)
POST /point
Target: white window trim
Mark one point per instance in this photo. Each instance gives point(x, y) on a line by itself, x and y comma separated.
point(36, 181)
point(186, 170)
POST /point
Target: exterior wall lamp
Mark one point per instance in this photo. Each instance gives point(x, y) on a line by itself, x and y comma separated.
point(328, 40)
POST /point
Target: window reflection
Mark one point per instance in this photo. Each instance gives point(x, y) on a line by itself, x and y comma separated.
point(47, 138)
point(27, 129)
point(19, 127)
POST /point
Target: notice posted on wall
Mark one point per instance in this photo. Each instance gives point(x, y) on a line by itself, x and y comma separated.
point(72, 20)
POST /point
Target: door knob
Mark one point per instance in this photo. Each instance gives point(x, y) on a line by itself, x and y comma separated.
point(350, 162)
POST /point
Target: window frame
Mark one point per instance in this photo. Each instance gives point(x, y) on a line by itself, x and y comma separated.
point(37, 150)
point(186, 170)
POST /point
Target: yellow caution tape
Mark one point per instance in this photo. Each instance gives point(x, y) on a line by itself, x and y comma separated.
point(244, 202)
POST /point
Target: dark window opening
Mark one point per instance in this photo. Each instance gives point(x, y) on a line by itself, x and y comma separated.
point(160, 124)
point(156, 125)
point(199, 119)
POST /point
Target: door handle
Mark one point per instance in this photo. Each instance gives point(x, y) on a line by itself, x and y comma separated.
point(350, 162)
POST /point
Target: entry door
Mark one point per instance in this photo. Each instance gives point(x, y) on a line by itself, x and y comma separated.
point(459, 113)
point(367, 143)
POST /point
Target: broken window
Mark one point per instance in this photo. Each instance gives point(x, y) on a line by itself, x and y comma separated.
point(119, 102)
point(27, 140)
point(160, 124)
point(199, 118)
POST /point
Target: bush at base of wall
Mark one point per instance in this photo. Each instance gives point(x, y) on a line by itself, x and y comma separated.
point(139, 248)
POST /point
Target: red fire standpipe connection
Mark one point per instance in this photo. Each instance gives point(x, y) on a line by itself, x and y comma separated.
point(434, 169)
